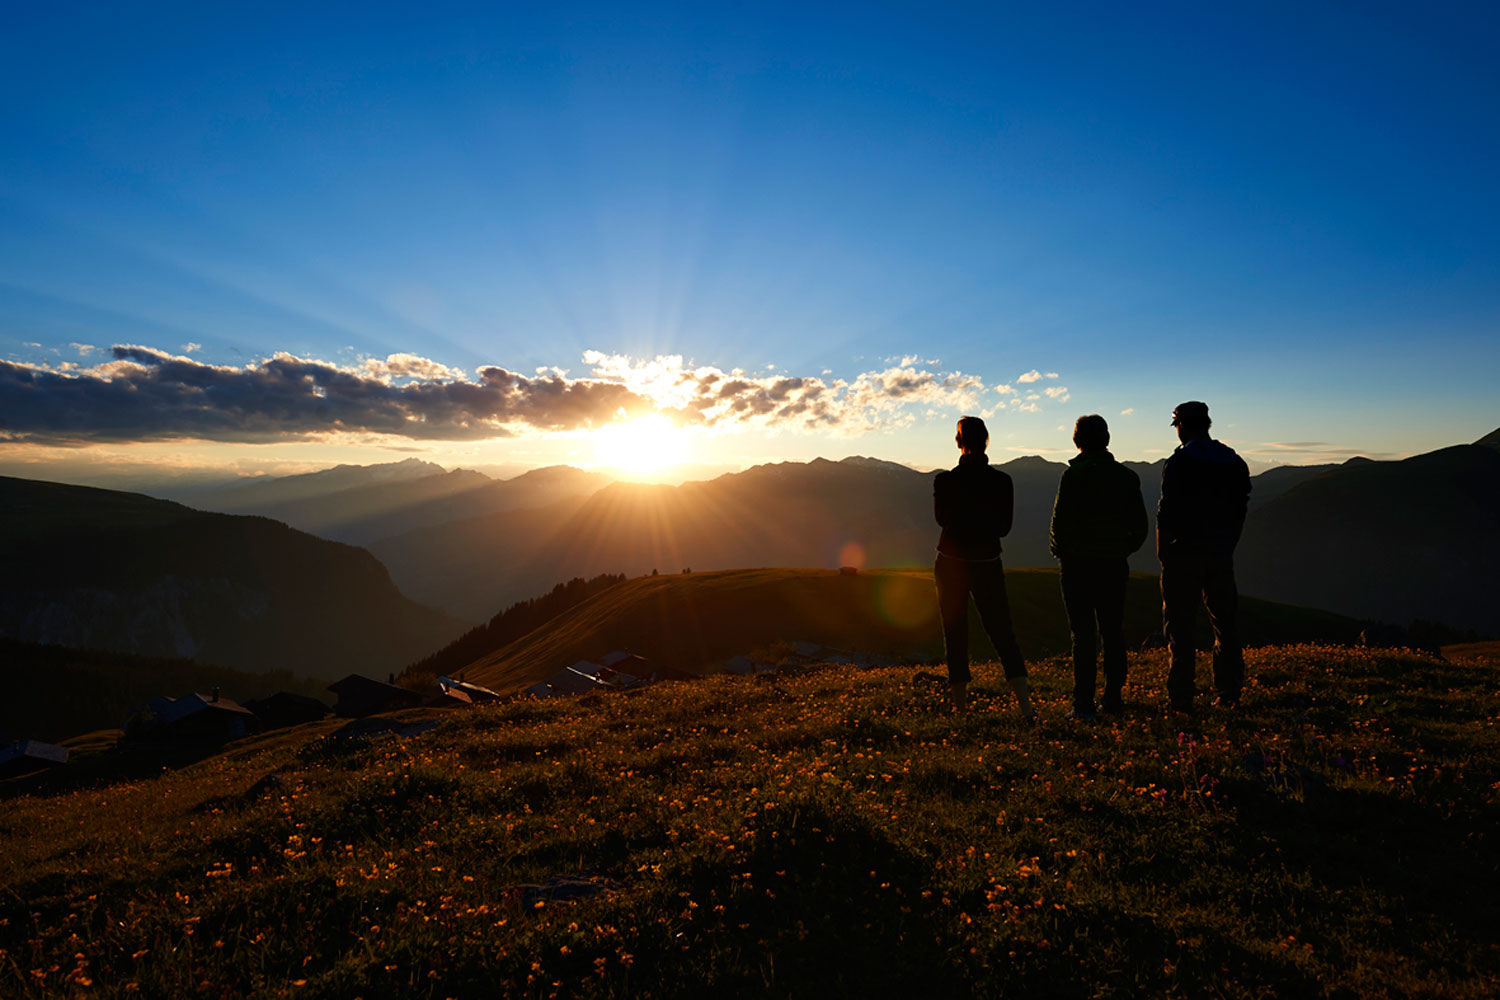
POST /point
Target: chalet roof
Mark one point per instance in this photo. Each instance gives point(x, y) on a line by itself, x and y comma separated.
point(447, 697)
point(33, 750)
point(361, 695)
point(474, 691)
point(168, 710)
point(360, 683)
point(283, 700)
point(580, 677)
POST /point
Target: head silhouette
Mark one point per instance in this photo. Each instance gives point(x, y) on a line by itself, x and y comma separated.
point(1091, 433)
point(1191, 420)
point(973, 437)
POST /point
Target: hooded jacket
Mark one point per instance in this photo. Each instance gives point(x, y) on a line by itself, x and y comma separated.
point(1099, 511)
point(1205, 491)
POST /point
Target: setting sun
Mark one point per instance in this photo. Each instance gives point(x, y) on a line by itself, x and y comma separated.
point(641, 447)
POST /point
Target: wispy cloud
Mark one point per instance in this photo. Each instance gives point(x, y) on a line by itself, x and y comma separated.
point(1034, 376)
point(142, 394)
point(84, 350)
point(1127, 411)
point(1316, 450)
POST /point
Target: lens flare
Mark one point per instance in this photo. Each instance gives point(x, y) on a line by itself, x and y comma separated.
point(852, 554)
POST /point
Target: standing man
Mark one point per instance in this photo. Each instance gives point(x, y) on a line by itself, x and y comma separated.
point(975, 503)
point(1098, 520)
point(1205, 489)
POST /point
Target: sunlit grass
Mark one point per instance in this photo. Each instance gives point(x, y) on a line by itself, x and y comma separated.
point(828, 833)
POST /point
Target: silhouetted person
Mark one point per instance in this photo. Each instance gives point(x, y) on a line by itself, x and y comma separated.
point(1205, 489)
point(1098, 520)
point(975, 504)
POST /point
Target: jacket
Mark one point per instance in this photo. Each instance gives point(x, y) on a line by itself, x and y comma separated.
point(1205, 491)
point(1099, 511)
point(975, 505)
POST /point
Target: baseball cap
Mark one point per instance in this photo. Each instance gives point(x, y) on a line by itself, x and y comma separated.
point(1191, 412)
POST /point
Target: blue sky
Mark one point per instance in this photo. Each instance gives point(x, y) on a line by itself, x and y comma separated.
point(1286, 210)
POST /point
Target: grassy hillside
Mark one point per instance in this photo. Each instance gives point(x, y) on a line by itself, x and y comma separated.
point(52, 693)
point(690, 621)
point(99, 569)
point(1418, 538)
point(473, 566)
point(824, 834)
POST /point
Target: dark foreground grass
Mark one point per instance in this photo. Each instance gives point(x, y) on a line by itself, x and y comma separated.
point(828, 834)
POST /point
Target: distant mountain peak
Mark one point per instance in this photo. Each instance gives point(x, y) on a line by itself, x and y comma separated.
point(863, 462)
point(1490, 440)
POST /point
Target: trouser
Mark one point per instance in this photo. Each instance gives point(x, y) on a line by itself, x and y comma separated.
point(1093, 591)
point(1186, 579)
point(956, 580)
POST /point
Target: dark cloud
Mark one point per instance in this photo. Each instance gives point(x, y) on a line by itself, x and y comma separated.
point(143, 394)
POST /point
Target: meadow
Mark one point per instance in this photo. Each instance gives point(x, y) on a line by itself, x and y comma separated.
point(831, 832)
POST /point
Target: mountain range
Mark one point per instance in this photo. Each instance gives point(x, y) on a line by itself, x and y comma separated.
point(819, 513)
point(361, 504)
point(1394, 541)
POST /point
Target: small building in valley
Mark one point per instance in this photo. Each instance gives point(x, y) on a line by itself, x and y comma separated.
point(285, 708)
point(194, 718)
point(585, 676)
point(477, 694)
point(25, 756)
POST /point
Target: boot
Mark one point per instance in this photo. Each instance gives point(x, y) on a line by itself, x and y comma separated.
point(958, 693)
point(1022, 688)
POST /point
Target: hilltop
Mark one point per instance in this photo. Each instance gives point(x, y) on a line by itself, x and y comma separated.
point(689, 622)
point(824, 833)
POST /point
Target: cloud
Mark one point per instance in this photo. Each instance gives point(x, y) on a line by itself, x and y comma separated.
point(1317, 450)
point(1127, 411)
point(84, 349)
point(1034, 376)
point(399, 366)
point(144, 394)
point(1058, 393)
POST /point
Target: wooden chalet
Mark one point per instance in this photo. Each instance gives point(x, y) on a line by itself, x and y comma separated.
point(195, 718)
point(25, 756)
point(359, 696)
point(284, 708)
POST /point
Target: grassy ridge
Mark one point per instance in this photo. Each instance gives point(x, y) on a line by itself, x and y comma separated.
point(823, 834)
point(689, 621)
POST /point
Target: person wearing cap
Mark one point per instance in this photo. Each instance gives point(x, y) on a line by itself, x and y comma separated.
point(974, 502)
point(1098, 520)
point(1205, 491)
